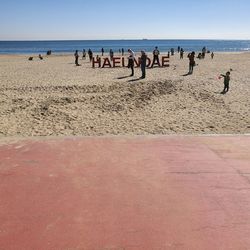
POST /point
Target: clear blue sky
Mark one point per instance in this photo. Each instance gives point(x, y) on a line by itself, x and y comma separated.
point(118, 19)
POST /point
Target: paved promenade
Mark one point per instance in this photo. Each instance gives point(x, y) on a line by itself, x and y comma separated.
point(125, 193)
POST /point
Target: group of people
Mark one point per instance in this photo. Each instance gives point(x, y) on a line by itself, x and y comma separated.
point(143, 62)
point(203, 53)
point(131, 57)
point(192, 63)
point(121, 51)
point(90, 54)
point(156, 53)
point(39, 56)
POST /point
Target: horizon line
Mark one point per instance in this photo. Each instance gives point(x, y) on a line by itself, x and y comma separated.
point(123, 39)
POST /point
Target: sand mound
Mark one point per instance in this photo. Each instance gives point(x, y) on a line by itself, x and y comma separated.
point(120, 97)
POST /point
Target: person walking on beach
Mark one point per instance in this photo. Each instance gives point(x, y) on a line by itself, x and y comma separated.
point(102, 51)
point(226, 82)
point(143, 61)
point(122, 51)
point(212, 55)
point(191, 57)
point(90, 53)
point(156, 54)
point(76, 58)
point(131, 58)
point(178, 49)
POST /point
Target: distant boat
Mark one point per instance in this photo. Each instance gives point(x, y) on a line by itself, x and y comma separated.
point(144, 39)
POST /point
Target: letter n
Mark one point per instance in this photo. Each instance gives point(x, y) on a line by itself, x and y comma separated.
point(137, 63)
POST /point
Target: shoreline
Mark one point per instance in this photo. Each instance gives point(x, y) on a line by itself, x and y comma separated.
point(115, 53)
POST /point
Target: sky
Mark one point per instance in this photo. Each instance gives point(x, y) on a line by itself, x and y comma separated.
point(119, 19)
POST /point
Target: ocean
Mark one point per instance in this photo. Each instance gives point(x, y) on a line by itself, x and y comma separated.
point(35, 47)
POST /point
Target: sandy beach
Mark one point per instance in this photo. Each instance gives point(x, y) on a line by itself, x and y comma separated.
point(53, 97)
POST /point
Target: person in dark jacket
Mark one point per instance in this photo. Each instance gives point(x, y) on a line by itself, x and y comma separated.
point(76, 58)
point(111, 54)
point(191, 57)
point(90, 53)
point(143, 61)
point(131, 58)
point(226, 82)
point(181, 53)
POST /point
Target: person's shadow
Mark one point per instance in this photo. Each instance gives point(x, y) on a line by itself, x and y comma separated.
point(188, 74)
point(134, 80)
point(123, 77)
point(220, 92)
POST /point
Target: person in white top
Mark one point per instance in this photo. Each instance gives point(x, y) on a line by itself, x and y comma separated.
point(156, 54)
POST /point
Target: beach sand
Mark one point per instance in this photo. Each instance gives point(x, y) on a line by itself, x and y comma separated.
point(53, 97)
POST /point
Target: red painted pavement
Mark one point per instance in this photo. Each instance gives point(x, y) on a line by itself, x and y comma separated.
point(119, 193)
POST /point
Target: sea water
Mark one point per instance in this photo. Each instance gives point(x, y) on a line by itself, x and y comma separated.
point(35, 47)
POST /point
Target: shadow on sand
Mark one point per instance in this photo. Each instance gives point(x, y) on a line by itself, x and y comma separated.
point(123, 77)
point(188, 74)
point(136, 79)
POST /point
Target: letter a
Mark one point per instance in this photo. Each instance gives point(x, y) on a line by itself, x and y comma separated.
point(106, 63)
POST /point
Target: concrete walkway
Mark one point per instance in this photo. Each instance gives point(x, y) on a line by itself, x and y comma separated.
point(125, 193)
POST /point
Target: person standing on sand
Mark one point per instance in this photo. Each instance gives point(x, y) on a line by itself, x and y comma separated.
point(83, 54)
point(172, 51)
point(204, 51)
point(76, 58)
point(226, 82)
point(111, 54)
point(212, 55)
point(90, 53)
point(191, 57)
point(122, 51)
point(131, 59)
point(143, 61)
point(156, 54)
point(102, 51)
point(181, 53)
